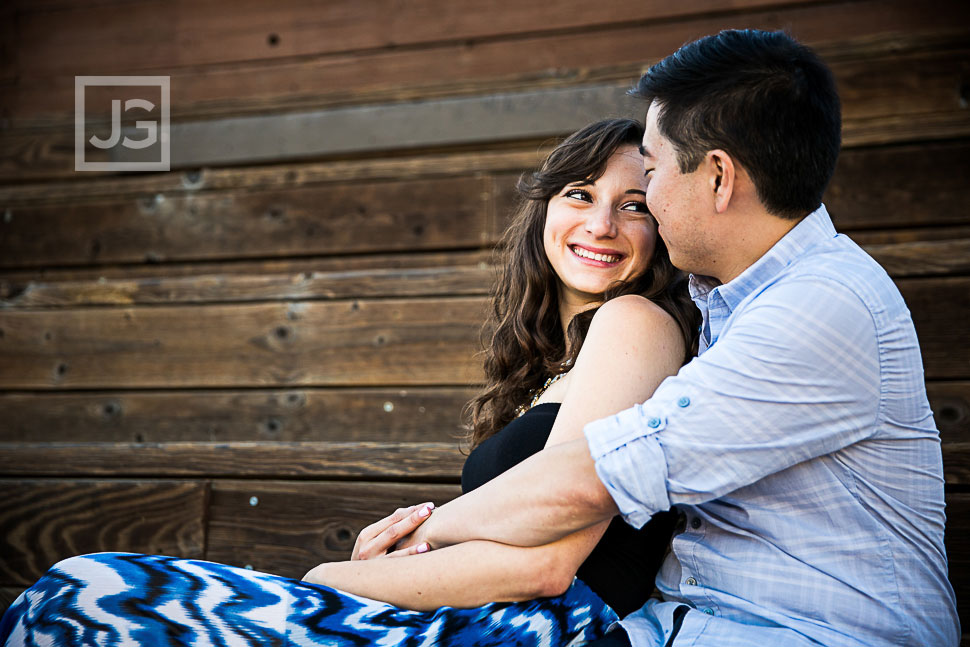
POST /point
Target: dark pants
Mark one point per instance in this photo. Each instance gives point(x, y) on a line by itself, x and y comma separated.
point(616, 638)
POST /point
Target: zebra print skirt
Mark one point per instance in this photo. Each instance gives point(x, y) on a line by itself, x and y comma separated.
point(110, 599)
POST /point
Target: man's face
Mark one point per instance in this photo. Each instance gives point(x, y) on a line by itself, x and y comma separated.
point(679, 201)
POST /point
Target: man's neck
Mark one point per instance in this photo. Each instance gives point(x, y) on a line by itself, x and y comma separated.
point(752, 241)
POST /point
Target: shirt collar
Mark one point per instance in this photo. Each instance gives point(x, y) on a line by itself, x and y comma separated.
point(813, 229)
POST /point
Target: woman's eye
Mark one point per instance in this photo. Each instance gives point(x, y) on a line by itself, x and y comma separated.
point(639, 207)
point(579, 194)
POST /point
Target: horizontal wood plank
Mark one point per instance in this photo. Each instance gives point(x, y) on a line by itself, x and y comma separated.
point(298, 283)
point(420, 414)
point(900, 186)
point(951, 409)
point(937, 306)
point(392, 342)
point(44, 521)
point(448, 67)
point(147, 186)
point(471, 274)
point(898, 97)
point(958, 552)
point(193, 33)
point(294, 526)
point(399, 342)
point(8, 594)
point(925, 189)
point(381, 216)
point(331, 460)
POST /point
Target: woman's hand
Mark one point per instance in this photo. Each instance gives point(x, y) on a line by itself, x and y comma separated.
point(377, 539)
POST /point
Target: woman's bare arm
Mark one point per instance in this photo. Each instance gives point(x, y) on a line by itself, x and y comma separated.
point(632, 345)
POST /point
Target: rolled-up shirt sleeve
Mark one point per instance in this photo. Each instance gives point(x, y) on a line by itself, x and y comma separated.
point(780, 387)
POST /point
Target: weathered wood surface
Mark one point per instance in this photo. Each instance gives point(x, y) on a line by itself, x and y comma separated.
point(907, 86)
point(295, 526)
point(342, 219)
point(400, 342)
point(893, 186)
point(937, 305)
point(392, 342)
point(951, 409)
point(470, 273)
point(44, 521)
point(206, 36)
point(275, 176)
point(958, 553)
point(422, 414)
point(907, 185)
point(407, 461)
point(450, 66)
point(8, 594)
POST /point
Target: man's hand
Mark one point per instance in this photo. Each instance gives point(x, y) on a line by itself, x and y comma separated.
point(377, 539)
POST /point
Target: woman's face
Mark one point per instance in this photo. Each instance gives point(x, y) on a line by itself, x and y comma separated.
point(600, 232)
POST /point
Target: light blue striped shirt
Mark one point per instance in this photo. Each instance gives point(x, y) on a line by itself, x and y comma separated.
point(801, 447)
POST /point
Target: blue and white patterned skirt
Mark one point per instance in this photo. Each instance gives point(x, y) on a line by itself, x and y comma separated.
point(114, 599)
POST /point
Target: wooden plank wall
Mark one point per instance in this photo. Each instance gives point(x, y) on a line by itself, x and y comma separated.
point(249, 358)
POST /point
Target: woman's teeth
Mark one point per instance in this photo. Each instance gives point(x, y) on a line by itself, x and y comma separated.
point(605, 258)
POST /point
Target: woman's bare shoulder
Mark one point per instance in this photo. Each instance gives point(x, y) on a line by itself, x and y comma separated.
point(632, 311)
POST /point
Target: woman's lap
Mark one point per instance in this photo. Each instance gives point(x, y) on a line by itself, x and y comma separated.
point(127, 599)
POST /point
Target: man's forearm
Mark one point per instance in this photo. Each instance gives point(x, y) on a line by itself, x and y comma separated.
point(546, 497)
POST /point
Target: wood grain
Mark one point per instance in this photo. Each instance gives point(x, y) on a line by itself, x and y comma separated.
point(450, 67)
point(331, 460)
point(44, 521)
point(295, 526)
point(937, 306)
point(7, 596)
point(295, 282)
point(352, 218)
point(471, 274)
point(907, 185)
point(389, 342)
point(147, 186)
point(421, 414)
point(185, 33)
point(951, 409)
point(958, 551)
point(400, 342)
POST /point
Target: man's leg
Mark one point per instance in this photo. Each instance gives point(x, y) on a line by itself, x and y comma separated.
point(616, 638)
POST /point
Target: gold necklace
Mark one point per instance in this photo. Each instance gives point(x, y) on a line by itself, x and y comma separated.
point(538, 394)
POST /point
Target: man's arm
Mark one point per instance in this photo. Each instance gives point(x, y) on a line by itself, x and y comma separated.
point(631, 347)
point(542, 499)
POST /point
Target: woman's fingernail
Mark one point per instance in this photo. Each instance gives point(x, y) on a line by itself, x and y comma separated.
point(425, 511)
point(423, 548)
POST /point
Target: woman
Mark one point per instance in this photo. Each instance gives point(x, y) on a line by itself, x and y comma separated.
point(582, 236)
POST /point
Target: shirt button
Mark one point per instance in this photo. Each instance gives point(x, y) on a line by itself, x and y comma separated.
point(691, 581)
point(709, 612)
point(684, 401)
point(695, 523)
point(653, 423)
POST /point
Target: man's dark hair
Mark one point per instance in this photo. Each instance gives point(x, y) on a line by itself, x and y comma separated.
point(762, 97)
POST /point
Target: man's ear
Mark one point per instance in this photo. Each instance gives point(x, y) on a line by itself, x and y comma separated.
point(722, 178)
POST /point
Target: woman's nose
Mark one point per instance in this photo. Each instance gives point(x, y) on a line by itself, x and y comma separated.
point(600, 222)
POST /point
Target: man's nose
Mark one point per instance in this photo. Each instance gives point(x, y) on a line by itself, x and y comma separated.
point(601, 223)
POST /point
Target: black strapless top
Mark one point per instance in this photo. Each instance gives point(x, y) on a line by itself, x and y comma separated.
point(622, 567)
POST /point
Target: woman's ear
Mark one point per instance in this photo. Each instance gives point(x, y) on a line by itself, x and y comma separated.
point(722, 178)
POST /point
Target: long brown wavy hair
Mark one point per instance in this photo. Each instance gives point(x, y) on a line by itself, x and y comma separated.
point(524, 340)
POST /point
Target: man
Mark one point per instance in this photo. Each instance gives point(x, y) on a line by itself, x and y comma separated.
point(799, 445)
